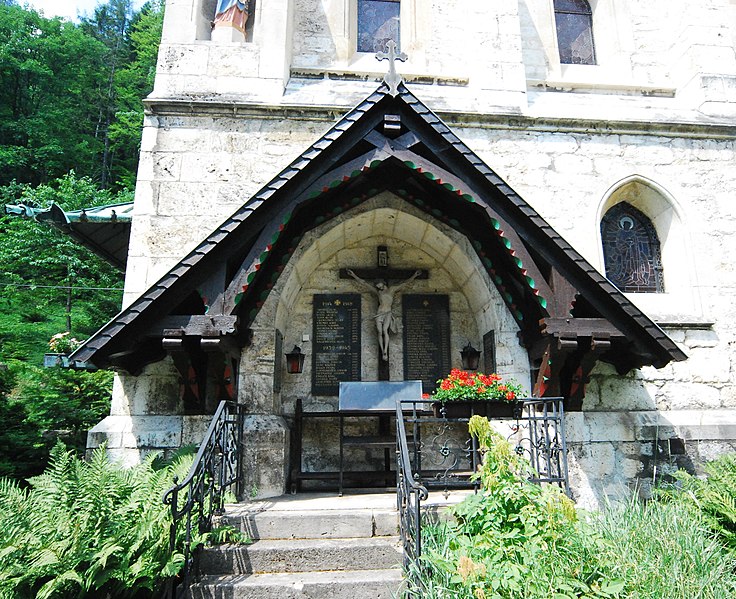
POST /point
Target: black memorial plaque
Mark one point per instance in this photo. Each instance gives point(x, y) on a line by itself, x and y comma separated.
point(278, 361)
point(489, 352)
point(336, 328)
point(426, 338)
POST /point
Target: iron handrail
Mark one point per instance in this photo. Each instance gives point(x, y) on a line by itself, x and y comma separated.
point(216, 468)
point(409, 495)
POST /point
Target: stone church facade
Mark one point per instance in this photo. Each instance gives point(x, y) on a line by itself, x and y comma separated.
point(274, 158)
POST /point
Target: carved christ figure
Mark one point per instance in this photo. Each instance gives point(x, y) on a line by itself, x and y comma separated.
point(385, 319)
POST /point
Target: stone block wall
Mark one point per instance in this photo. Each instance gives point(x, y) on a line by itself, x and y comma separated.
point(566, 174)
point(652, 123)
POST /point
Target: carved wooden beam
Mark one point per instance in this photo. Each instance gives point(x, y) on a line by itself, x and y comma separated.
point(406, 155)
point(194, 325)
point(579, 327)
point(581, 366)
point(551, 363)
point(192, 369)
point(212, 291)
point(562, 297)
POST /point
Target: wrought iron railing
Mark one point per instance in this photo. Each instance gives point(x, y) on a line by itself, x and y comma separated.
point(542, 425)
point(409, 494)
point(200, 497)
point(438, 453)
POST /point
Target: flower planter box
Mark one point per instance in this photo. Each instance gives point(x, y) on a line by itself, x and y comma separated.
point(53, 360)
point(468, 408)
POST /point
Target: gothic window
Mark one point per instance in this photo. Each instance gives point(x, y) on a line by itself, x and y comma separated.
point(631, 250)
point(378, 22)
point(574, 21)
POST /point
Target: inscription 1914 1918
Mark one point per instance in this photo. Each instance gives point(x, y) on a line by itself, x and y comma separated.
point(426, 338)
point(336, 334)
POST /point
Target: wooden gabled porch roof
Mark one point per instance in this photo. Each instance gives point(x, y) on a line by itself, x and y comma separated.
point(569, 315)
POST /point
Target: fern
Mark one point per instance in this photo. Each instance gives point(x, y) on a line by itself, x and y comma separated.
point(87, 529)
point(714, 497)
point(718, 498)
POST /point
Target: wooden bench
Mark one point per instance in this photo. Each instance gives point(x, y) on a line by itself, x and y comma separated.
point(375, 400)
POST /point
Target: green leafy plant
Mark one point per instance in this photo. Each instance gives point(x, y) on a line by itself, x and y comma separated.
point(88, 529)
point(517, 539)
point(461, 385)
point(51, 403)
point(713, 496)
point(226, 533)
point(662, 550)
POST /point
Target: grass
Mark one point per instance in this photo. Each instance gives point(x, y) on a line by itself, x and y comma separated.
point(664, 550)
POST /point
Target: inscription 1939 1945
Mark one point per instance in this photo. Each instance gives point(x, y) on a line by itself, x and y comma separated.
point(336, 346)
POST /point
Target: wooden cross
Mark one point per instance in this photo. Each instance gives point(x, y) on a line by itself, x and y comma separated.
point(384, 274)
point(392, 78)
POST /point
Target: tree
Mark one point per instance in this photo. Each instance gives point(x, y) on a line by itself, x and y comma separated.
point(70, 95)
point(70, 98)
point(20, 455)
point(49, 282)
point(133, 82)
point(50, 74)
point(109, 25)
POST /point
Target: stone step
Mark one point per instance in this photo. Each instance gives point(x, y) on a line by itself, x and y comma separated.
point(303, 555)
point(312, 524)
point(352, 584)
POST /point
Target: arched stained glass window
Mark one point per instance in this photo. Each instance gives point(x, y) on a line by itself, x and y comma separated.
point(574, 21)
point(378, 22)
point(631, 250)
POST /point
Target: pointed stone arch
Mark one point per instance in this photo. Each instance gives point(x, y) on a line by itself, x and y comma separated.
point(387, 219)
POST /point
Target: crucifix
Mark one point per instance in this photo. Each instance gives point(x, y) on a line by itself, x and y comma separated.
point(376, 281)
point(392, 78)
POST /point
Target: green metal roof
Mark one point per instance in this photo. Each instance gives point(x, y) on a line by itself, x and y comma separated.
point(103, 229)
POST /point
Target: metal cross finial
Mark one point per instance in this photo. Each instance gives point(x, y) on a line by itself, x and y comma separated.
point(392, 78)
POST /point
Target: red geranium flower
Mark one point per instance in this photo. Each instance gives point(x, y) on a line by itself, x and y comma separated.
point(464, 385)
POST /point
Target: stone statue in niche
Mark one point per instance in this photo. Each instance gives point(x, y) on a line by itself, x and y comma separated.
point(231, 13)
point(385, 319)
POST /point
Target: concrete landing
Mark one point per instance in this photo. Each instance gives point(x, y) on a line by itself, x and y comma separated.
point(352, 499)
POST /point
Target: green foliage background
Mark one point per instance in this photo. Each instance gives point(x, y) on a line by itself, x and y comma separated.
point(71, 114)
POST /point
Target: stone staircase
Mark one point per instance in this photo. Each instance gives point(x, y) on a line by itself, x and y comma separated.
point(308, 547)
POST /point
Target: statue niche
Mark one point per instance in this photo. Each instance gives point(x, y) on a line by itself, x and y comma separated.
point(231, 17)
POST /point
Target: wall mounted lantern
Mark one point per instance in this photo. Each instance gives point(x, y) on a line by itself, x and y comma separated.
point(470, 357)
point(295, 361)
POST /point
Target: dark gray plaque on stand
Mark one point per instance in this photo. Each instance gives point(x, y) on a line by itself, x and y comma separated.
point(336, 345)
point(426, 338)
point(378, 396)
